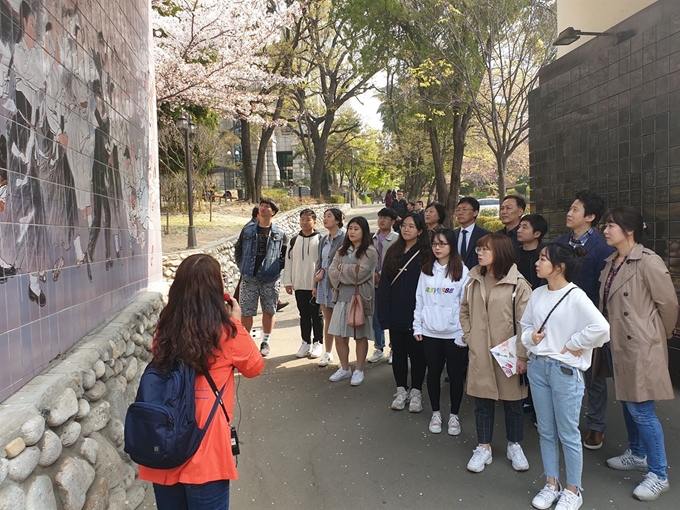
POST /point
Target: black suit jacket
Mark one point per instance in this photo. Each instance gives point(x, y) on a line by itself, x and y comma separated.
point(470, 258)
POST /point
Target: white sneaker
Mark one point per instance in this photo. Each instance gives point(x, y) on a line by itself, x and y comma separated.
point(326, 359)
point(415, 404)
point(399, 402)
point(317, 350)
point(628, 462)
point(304, 350)
point(454, 425)
point(436, 423)
point(546, 497)
point(390, 360)
point(377, 356)
point(480, 459)
point(340, 374)
point(651, 488)
point(357, 378)
point(516, 455)
point(569, 500)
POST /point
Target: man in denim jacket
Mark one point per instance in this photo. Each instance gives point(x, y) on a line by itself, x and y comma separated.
point(259, 253)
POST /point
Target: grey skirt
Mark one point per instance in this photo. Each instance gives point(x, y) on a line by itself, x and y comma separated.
point(339, 327)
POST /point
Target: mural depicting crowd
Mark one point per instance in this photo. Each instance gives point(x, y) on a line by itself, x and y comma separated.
point(76, 186)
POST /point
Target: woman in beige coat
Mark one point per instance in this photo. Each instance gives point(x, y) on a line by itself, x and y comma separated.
point(638, 298)
point(486, 316)
point(354, 262)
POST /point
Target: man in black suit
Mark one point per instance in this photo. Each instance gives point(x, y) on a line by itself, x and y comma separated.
point(469, 232)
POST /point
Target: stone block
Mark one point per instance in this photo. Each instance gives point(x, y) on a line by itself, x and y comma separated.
point(98, 368)
point(118, 366)
point(50, 448)
point(135, 496)
point(65, 406)
point(129, 474)
point(95, 393)
point(116, 396)
point(12, 498)
point(83, 409)
point(109, 465)
point(99, 416)
point(108, 374)
point(40, 494)
point(130, 348)
point(73, 479)
point(15, 447)
point(4, 468)
point(89, 449)
point(117, 498)
point(21, 466)
point(131, 370)
point(89, 378)
point(115, 351)
point(125, 334)
point(70, 433)
point(137, 338)
point(115, 431)
point(32, 430)
point(98, 495)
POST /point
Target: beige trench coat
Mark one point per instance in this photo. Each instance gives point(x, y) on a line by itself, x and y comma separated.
point(643, 308)
point(348, 276)
point(485, 325)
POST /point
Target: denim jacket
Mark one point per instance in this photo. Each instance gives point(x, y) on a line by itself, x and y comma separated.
point(271, 267)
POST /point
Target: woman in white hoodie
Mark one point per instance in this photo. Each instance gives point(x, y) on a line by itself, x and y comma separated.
point(436, 324)
point(560, 328)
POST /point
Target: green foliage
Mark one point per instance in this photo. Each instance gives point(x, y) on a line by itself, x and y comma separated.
point(337, 199)
point(277, 185)
point(489, 213)
point(365, 199)
point(489, 223)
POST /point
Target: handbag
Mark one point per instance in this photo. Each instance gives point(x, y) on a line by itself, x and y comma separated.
point(355, 313)
point(403, 268)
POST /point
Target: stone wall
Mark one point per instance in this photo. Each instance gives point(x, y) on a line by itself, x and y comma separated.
point(223, 250)
point(61, 435)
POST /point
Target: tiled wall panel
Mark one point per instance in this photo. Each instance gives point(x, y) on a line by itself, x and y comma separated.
point(79, 207)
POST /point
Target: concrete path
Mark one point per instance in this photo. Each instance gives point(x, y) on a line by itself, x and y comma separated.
point(311, 444)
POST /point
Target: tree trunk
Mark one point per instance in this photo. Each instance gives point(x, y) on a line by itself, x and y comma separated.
point(461, 122)
point(262, 158)
point(502, 164)
point(439, 177)
point(247, 162)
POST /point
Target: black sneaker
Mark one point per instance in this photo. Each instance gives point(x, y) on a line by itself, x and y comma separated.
point(264, 349)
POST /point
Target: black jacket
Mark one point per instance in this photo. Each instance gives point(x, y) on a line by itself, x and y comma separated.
point(397, 302)
point(470, 259)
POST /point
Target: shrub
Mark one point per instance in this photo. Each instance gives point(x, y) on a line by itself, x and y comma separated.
point(490, 223)
point(489, 213)
point(365, 199)
point(337, 199)
point(277, 185)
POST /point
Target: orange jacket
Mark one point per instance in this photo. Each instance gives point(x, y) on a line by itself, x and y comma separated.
point(213, 460)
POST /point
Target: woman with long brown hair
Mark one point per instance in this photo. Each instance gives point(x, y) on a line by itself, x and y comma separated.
point(198, 328)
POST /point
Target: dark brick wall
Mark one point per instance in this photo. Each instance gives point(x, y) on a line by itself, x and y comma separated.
point(606, 117)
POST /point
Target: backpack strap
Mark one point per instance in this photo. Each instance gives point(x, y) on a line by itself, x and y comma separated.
point(218, 395)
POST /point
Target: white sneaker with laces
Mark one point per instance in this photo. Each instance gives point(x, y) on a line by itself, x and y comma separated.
point(517, 457)
point(628, 462)
point(357, 378)
point(546, 497)
point(390, 360)
point(399, 402)
point(326, 359)
point(436, 423)
point(651, 488)
point(340, 374)
point(481, 458)
point(304, 350)
point(377, 356)
point(415, 404)
point(569, 500)
point(454, 425)
point(317, 350)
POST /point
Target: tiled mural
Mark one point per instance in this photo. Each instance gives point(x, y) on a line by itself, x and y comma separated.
point(606, 117)
point(79, 202)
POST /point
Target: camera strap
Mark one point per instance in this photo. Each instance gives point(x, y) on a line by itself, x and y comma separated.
point(213, 386)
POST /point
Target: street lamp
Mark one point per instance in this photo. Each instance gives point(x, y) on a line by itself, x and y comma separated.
point(189, 129)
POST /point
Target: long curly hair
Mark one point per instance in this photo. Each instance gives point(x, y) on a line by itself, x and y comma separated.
point(191, 324)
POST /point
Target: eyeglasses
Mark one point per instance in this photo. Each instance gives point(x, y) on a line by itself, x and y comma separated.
point(481, 249)
point(461, 209)
point(438, 245)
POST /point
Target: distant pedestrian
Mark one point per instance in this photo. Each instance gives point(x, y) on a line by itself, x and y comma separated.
point(436, 324)
point(353, 267)
point(640, 302)
point(298, 276)
point(400, 206)
point(388, 198)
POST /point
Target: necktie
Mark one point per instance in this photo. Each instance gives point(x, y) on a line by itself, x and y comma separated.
point(463, 244)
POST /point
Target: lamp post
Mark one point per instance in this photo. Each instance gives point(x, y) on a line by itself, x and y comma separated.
point(189, 129)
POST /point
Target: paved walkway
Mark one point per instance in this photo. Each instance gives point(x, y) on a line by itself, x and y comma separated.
point(310, 444)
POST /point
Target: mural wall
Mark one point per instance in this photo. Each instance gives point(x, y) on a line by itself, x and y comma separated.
point(79, 205)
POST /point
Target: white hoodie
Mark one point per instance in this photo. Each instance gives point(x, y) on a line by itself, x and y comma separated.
point(301, 262)
point(438, 305)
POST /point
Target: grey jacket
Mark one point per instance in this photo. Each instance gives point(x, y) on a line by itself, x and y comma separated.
point(335, 245)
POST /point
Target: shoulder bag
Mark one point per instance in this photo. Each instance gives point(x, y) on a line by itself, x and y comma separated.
point(355, 312)
point(403, 268)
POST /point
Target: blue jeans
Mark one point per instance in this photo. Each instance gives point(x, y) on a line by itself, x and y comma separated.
point(187, 496)
point(557, 401)
point(379, 342)
point(645, 435)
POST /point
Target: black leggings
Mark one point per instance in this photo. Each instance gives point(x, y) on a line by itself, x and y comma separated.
point(404, 346)
point(440, 351)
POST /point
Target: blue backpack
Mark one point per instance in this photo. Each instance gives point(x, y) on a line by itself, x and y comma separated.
point(161, 431)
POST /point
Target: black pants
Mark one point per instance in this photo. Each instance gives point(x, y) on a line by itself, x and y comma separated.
point(310, 316)
point(404, 346)
point(440, 351)
point(484, 418)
